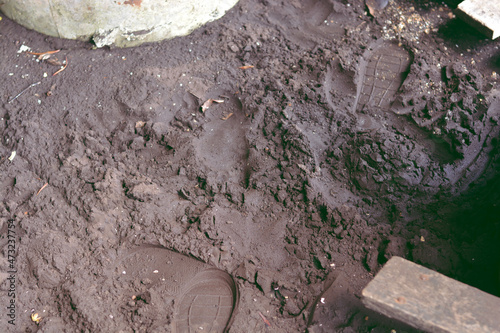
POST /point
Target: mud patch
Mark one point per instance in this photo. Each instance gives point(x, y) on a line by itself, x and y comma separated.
point(343, 140)
point(222, 146)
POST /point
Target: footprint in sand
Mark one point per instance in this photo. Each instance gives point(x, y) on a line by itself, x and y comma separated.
point(381, 75)
point(405, 151)
point(175, 293)
point(380, 78)
point(222, 145)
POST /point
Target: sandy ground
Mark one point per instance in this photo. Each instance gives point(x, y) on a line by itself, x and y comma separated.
point(346, 139)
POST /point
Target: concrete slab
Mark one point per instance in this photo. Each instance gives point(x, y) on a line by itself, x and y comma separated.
point(484, 15)
point(430, 301)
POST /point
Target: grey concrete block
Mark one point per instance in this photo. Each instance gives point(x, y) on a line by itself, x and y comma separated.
point(120, 23)
point(484, 15)
point(430, 301)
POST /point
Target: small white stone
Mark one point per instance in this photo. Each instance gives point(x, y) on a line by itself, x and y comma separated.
point(23, 48)
point(12, 155)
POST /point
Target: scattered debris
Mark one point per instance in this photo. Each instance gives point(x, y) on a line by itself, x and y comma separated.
point(12, 155)
point(246, 67)
point(22, 92)
point(40, 190)
point(376, 5)
point(51, 90)
point(62, 68)
point(400, 300)
point(36, 318)
point(43, 55)
point(209, 103)
point(228, 116)
point(54, 62)
point(23, 48)
point(139, 124)
point(268, 324)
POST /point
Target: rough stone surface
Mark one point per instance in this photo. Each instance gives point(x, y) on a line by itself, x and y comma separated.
point(120, 23)
point(431, 301)
point(484, 15)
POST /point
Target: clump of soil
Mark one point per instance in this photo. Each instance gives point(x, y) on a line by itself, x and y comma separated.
point(343, 139)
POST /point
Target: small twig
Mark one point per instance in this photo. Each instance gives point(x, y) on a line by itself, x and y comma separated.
point(246, 67)
point(268, 324)
point(40, 190)
point(60, 70)
point(22, 92)
point(227, 117)
point(43, 53)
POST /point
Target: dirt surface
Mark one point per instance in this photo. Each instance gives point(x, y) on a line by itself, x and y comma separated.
point(350, 139)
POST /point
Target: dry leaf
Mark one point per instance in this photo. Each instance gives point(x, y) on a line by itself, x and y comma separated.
point(54, 62)
point(36, 317)
point(44, 56)
point(209, 103)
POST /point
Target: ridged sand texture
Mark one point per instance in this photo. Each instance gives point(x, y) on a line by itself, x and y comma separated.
point(382, 76)
point(205, 297)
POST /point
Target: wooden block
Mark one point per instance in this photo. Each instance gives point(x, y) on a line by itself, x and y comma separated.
point(430, 301)
point(484, 15)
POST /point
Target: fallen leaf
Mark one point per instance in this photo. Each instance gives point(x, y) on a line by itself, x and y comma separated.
point(54, 62)
point(36, 317)
point(209, 103)
point(44, 56)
